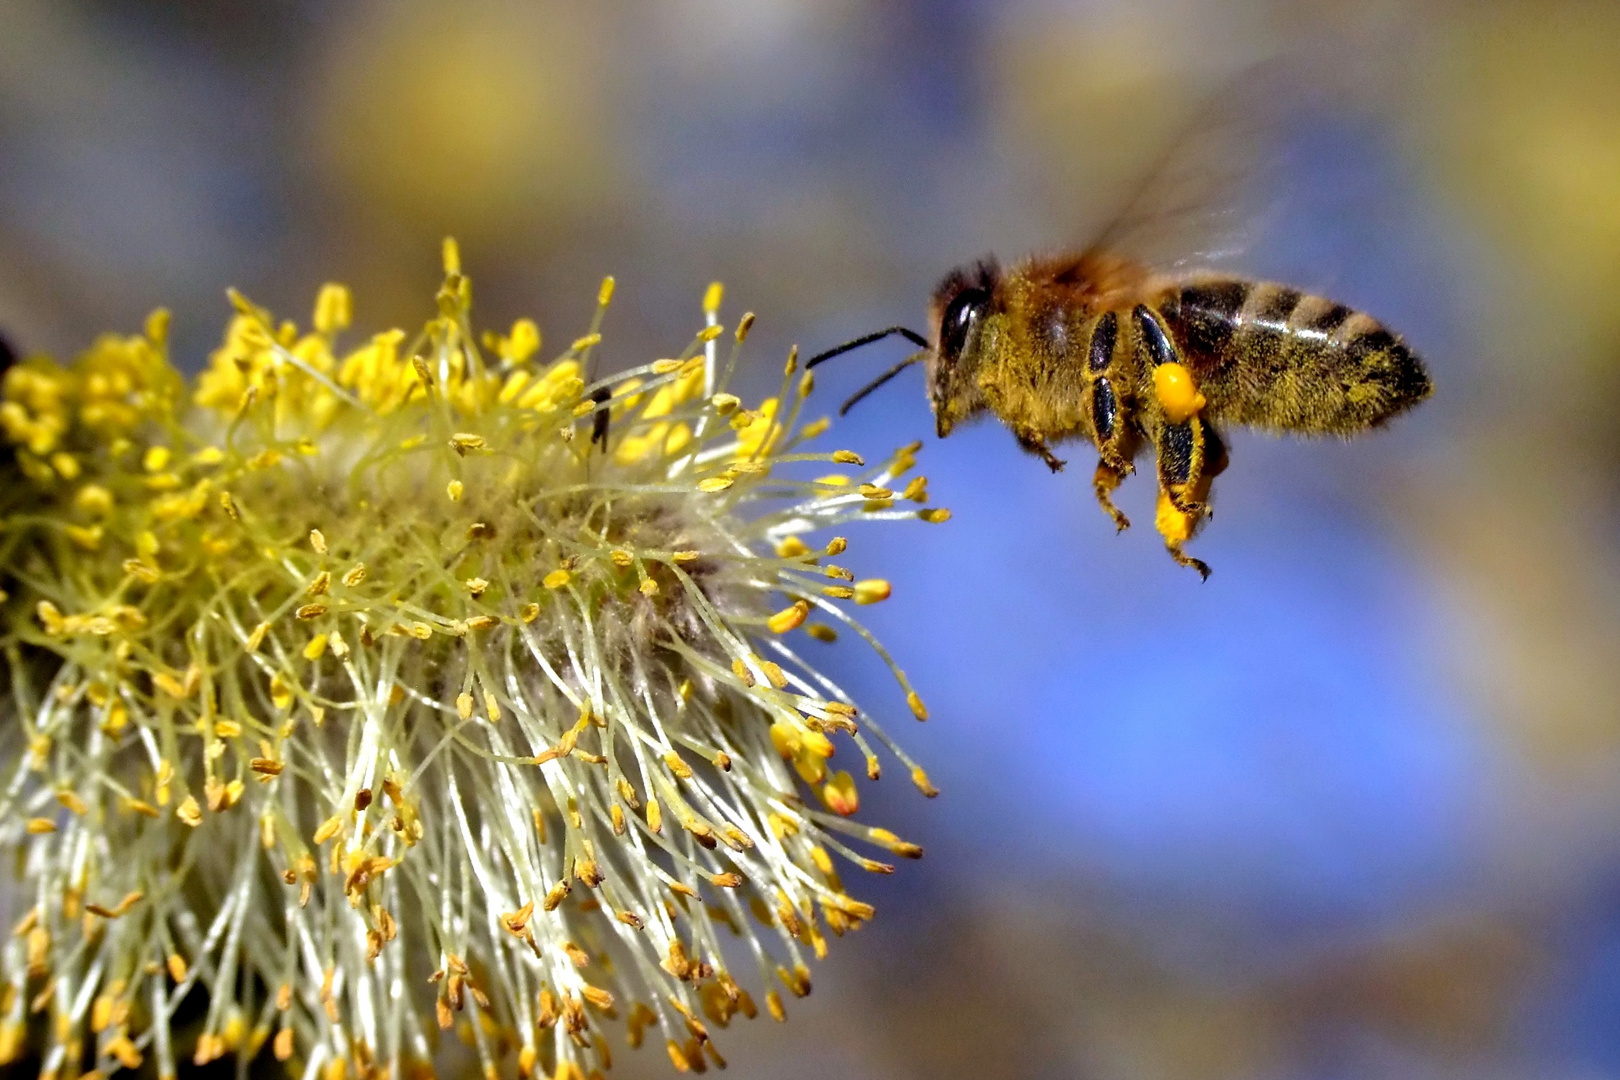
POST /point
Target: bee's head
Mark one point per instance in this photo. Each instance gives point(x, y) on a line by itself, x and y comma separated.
point(956, 320)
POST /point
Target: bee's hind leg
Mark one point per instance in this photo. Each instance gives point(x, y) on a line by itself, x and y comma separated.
point(1190, 455)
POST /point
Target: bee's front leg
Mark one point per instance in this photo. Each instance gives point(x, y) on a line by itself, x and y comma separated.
point(1032, 441)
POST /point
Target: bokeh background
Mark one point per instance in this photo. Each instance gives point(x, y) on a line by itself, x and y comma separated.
point(1352, 808)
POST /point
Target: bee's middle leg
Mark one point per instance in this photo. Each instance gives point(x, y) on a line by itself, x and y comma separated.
point(1115, 447)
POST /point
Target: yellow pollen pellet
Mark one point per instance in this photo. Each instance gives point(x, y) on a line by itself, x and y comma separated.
point(871, 591)
point(1174, 525)
point(1178, 394)
point(557, 579)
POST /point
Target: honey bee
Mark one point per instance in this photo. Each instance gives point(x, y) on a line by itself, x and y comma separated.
point(1103, 347)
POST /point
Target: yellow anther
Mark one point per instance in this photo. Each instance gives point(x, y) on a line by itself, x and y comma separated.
point(712, 297)
point(156, 458)
point(822, 632)
point(724, 404)
point(924, 785)
point(918, 709)
point(604, 295)
point(871, 591)
point(334, 308)
point(157, 326)
point(1178, 394)
point(94, 499)
point(455, 489)
point(787, 739)
point(451, 253)
point(791, 548)
point(936, 516)
point(524, 340)
point(586, 342)
point(715, 483)
point(790, 618)
point(557, 579)
point(848, 457)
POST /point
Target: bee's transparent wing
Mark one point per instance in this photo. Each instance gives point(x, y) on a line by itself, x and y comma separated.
point(1215, 187)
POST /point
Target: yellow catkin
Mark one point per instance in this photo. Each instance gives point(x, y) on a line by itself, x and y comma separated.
point(275, 619)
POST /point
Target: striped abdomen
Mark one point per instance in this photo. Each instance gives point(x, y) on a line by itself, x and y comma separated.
point(1269, 356)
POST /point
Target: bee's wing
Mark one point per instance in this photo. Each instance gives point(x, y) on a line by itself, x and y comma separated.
point(1211, 193)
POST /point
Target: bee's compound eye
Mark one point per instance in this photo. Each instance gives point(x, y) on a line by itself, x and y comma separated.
point(967, 306)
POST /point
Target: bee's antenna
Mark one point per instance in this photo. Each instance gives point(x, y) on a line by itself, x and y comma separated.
point(881, 379)
point(910, 335)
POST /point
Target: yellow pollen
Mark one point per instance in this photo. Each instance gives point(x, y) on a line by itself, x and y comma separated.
point(1178, 394)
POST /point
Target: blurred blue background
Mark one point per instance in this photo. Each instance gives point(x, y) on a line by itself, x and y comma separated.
point(1352, 808)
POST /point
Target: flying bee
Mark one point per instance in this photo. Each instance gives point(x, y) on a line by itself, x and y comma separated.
point(1103, 347)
